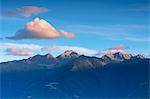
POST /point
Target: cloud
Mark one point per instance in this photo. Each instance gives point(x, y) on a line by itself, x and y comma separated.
point(19, 52)
point(80, 50)
point(147, 55)
point(40, 29)
point(39, 48)
point(17, 49)
point(86, 51)
point(112, 32)
point(19, 46)
point(118, 48)
point(67, 34)
point(26, 11)
point(146, 39)
point(114, 49)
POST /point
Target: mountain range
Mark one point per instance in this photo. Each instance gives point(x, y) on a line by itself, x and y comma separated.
point(71, 75)
point(69, 57)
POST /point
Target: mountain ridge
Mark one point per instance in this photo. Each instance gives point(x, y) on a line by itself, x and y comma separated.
point(68, 58)
point(69, 53)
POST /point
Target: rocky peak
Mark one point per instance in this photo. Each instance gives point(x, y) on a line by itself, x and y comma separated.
point(108, 56)
point(68, 53)
point(127, 56)
point(140, 56)
point(49, 55)
point(121, 56)
point(36, 56)
point(82, 57)
point(41, 57)
point(118, 56)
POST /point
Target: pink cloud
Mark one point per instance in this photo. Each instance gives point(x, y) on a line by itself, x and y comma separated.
point(40, 29)
point(30, 10)
point(26, 11)
point(20, 46)
point(114, 49)
point(118, 48)
point(67, 34)
point(19, 52)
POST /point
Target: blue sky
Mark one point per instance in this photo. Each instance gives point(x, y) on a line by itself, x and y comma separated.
point(97, 25)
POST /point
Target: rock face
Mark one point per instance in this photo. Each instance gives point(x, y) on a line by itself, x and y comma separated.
point(68, 54)
point(73, 76)
point(85, 62)
point(127, 56)
point(49, 56)
point(139, 56)
point(108, 58)
point(121, 57)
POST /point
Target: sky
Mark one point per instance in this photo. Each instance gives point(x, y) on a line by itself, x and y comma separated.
point(90, 27)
